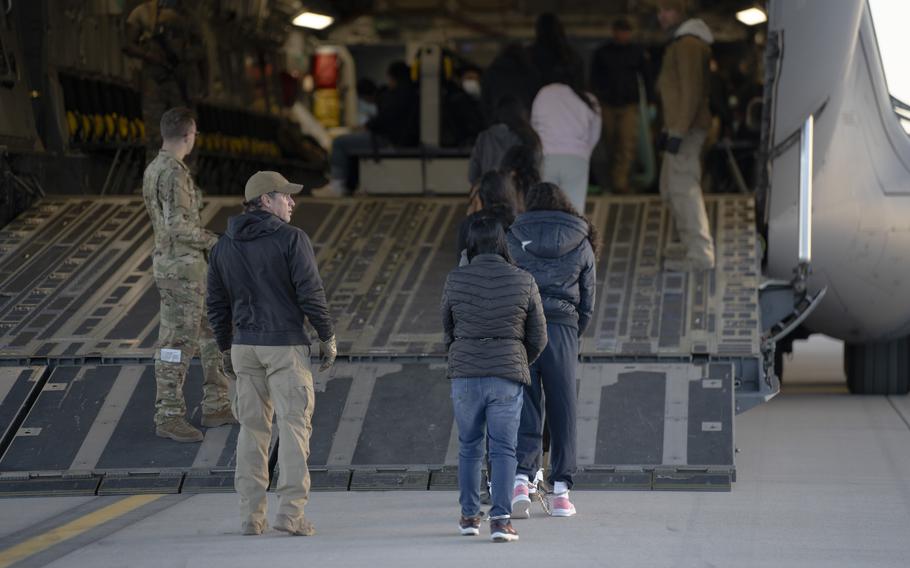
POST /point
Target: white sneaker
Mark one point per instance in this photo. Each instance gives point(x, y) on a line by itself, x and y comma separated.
point(560, 505)
point(333, 190)
point(521, 500)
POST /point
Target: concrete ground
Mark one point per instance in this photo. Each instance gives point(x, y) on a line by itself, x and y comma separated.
point(823, 480)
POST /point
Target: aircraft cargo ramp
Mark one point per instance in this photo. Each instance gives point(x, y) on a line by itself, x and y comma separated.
point(666, 363)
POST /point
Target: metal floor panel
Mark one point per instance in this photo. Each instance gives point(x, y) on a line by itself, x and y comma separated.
point(96, 418)
point(380, 420)
point(76, 277)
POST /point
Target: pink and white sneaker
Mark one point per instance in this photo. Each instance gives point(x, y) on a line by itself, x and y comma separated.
point(521, 500)
point(560, 506)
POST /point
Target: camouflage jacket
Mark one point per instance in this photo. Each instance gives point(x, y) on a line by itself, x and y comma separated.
point(173, 202)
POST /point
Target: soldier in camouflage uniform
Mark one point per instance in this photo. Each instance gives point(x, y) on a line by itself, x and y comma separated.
point(181, 245)
point(161, 35)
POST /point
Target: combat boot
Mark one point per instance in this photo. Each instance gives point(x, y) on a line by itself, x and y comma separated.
point(219, 418)
point(179, 430)
point(296, 527)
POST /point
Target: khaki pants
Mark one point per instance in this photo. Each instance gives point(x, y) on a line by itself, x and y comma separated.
point(680, 187)
point(273, 380)
point(620, 136)
point(183, 327)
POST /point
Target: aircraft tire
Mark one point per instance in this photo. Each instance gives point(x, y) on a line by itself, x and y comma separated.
point(878, 368)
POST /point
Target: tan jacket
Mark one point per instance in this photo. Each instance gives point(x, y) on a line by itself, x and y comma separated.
point(684, 80)
point(173, 203)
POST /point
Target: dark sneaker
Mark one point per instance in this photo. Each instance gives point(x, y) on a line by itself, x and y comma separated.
point(295, 527)
point(179, 430)
point(219, 418)
point(470, 526)
point(253, 528)
point(501, 531)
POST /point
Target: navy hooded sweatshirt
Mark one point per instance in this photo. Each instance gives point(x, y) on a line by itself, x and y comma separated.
point(263, 284)
point(554, 247)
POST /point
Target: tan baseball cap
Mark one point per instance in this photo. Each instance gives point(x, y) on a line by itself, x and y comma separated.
point(264, 182)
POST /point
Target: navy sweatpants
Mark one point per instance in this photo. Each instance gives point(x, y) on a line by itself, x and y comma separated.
point(553, 374)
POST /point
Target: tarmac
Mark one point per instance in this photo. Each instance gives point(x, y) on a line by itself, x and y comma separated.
point(823, 479)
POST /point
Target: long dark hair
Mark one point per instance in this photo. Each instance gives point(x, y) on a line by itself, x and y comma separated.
point(547, 196)
point(496, 196)
point(551, 36)
point(521, 162)
point(512, 112)
point(486, 236)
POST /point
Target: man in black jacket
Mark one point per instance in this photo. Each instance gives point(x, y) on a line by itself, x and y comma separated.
point(616, 68)
point(263, 284)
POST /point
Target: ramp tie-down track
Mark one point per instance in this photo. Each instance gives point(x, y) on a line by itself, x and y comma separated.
point(78, 323)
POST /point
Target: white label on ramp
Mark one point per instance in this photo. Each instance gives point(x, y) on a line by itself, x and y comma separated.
point(171, 355)
point(711, 427)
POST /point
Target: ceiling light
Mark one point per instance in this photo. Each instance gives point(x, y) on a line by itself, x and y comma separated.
point(313, 20)
point(752, 16)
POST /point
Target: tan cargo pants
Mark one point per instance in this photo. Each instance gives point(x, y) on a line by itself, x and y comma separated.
point(620, 135)
point(273, 380)
point(680, 187)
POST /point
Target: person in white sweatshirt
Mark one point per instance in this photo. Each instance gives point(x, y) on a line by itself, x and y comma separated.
point(567, 119)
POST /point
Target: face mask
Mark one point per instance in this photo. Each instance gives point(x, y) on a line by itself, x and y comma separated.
point(471, 87)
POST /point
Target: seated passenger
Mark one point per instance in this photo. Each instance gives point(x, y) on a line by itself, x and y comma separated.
point(557, 245)
point(494, 329)
point(497, 200)
point(511, 126)
point(396, 123)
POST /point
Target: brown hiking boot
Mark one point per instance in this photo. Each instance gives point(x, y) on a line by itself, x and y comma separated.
point(297, 527)
point(179, 430)
point(219, 418)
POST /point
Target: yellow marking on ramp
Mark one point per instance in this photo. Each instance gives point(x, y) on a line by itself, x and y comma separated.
point(72, 529)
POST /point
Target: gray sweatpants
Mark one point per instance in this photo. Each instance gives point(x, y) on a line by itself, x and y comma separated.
point(570, 173)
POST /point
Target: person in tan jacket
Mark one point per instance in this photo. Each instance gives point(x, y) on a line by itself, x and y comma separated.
point(683, 87)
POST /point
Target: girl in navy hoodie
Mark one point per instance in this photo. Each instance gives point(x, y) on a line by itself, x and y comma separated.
point(557, 245)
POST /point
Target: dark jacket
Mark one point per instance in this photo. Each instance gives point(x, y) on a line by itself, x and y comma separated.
point(554, 247)
point(263, 284)
point(614, 73)
point(511, 73)
point(398, 116)
point(489, 148)
point(492, 320)
point(504, 216)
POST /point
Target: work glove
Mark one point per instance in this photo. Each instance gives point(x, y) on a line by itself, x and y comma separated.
point(227, 366)
point(673, 144)
point(328, 350)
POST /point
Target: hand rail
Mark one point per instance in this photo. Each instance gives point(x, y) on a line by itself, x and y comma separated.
point(805, 190)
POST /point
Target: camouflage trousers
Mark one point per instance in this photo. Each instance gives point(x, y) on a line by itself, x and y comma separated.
point(184, 330)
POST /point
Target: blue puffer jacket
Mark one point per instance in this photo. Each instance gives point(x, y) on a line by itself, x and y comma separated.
point(554, 247)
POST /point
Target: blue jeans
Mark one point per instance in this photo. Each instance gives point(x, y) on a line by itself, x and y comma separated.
point(496, 403)
point(341, 162)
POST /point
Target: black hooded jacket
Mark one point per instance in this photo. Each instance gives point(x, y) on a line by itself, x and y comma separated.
point(263, 284)
point(554, 247)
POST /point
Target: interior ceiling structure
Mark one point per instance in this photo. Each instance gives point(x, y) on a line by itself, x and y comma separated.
point(501, 19)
